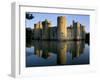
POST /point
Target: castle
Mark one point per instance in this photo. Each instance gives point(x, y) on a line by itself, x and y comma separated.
point(45, 31)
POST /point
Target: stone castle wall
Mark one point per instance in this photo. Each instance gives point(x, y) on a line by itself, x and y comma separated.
point(45, 31)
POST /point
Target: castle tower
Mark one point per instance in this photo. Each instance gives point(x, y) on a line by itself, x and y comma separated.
point(46, 24)
point(40, 30)
point(45, 32)
point(36, 26)
point(49, 29)
point(49, 24)
point(36, 31)
point(62, 31)
point(82, 34)
point(76, 30)
point(40, 25)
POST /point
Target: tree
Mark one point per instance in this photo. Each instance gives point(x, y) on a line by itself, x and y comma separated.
point(29, 16)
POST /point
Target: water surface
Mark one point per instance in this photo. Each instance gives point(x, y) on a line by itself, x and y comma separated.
point(53, 53)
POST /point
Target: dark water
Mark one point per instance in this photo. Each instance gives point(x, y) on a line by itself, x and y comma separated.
point(52, 53)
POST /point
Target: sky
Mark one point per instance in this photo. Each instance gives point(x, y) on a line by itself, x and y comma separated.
point(83, 19)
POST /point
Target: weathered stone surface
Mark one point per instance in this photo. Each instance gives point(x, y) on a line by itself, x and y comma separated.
point(45, 31)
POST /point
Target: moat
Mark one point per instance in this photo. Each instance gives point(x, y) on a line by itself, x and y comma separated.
point(54, 53)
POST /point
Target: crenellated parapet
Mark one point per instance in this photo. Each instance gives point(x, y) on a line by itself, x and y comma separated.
point(45, 31)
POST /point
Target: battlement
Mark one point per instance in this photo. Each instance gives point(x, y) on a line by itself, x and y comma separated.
point(45, 30)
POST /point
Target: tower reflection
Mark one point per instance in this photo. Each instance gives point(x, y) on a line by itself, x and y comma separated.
point(62, 53)
point(45, 49)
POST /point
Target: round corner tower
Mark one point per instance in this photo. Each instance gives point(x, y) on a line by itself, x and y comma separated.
point(62, 28)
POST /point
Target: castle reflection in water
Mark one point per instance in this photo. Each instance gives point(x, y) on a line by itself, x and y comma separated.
point(67, 52)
